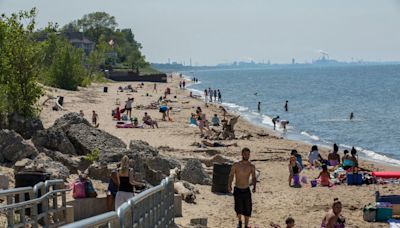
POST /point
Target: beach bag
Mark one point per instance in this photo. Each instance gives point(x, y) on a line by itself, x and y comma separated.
point(89, 189)
point(369, 213)
point(78, 189)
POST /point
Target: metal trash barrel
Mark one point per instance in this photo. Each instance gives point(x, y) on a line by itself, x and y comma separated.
point(220, 178)
point(105, 89)
point(29, 179)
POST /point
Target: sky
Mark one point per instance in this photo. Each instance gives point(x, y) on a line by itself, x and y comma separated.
point(210, 32)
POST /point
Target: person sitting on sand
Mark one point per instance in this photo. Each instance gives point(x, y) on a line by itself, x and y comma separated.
point(350, 161)
point(117, 115)
point(333, 219)
point(135, 123)
point(324, 176)
point(294, 170)
point(217, 144)
point(192, 119)
point(314, 156)
point(215, 121)
point(242, 171)
point(148, 121)
point(334, 157)
point(202, 123)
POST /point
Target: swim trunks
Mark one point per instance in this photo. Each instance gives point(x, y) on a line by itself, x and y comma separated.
point(243, 204)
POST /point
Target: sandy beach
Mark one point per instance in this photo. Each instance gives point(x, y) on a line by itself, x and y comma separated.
point(274, 200)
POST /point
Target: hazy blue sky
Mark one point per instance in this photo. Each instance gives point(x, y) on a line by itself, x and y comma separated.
point(219, 31)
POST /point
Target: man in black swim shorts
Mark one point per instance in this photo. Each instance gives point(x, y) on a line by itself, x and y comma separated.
point(241, 171)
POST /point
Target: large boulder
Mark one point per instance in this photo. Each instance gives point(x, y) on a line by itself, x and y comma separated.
point(73, 163)
point(100, 171)
point(26, 127)
point(65, 122)
point(42, 163)
point(139, 146)
point(13, 147)
point(86, 138)
point(54, 139)
point(194, 173)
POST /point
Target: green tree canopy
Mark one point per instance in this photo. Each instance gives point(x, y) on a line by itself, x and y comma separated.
point(19, 64)
point(96, 24)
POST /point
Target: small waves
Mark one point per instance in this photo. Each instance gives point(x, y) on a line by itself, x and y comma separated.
point(311, 136)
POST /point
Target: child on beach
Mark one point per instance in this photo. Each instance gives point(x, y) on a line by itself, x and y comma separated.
point(324, 177)
point(94, 118)
point(334, 157)
point(215, 121)
point(294, 172)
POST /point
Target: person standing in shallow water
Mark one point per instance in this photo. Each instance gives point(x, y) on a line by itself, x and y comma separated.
point(351, 115)
point(242, 171)
point(286, 106)
point(259, 106)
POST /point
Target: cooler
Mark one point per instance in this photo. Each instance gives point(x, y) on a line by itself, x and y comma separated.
point(354, 179)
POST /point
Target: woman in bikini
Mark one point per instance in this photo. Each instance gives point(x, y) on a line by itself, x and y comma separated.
point(333, 219)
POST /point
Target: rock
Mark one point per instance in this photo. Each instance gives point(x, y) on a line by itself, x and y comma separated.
point(139, 146)
point(86, 138)
point(13, 147)
point(54, 139)
point(194, 173)
point(67, 120)
point(154, 177)
point(100, 171)
point(113, 155)
point(42, 163)
point(73, 163)
point(26, 127)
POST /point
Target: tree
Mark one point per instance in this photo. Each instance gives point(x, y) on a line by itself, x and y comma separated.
point(96, 24)
point(95, 59)
point(66, 70)
point(136, 61)
point(19, 64)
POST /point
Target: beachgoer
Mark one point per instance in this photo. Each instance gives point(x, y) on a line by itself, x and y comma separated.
point(117, 115)
point(286, 106)
point(350, 161)
point(202, 122)
point(242, 171)
point(217, 144)
point(294, 170)
point(324, 176)
point(184, 84)
point(128, 107)
point(215, 121)
point(211, 95)
point(351, 115)
point(205, 96)
point(147, 120)
point(215, 95)
point(81, 113)
point(112, 190)
point(125, 182)
point(284, 123)
point(290, 222)
point(299, 159)
point(259, 106)
point(94, 118)
point(180, 85)
point(165, 112)
point(334, 157)
point(333, 219)
point(314, 156)
point(155, 87)
point(192, 119)
point(274, 120)
point(219, 96)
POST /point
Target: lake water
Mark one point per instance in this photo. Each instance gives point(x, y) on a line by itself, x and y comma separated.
point(320, 102)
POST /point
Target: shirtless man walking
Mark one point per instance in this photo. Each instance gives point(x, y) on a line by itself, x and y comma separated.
point(241, 171)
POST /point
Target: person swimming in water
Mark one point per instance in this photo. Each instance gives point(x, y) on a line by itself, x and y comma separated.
point(351, 115)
